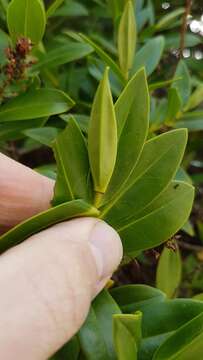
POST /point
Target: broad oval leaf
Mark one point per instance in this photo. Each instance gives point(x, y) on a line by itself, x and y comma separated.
point(102, 137)
point(149, 55)
point(69, 210)
point(26, 18)
point(132, 115)
point(127, 38)
point(169, 271)
point(161, 220)
point(36, 104)
point(43, 135)
point(157, 165)
point(195, 99)
point(73, 178)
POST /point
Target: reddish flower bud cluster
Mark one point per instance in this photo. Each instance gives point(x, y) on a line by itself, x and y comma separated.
point(16, 64)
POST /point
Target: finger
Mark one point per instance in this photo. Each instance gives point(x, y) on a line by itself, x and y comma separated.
point(48, 282)
point(23, 192)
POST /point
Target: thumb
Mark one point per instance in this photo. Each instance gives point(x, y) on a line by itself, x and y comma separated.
point(48, 283)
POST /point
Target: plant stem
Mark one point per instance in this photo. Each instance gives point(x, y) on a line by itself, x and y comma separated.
point(188, 5)
point(97, 198)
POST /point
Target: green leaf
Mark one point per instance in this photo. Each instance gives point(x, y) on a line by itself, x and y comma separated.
point(172, 209)
point(73, 179)
point(102, 137)
point(69, 351)
point(96, 335)
point(36, 104)
point(127, 38)
point(195, 99)
point(71, 8)
point(132, 114)
point(105, 57)
point(127, 335)
point(66, 211)
point(62, 55)
point(130, 297)
point(44, 136)
point(168, 19)
point(14, 129)
point(186, 343)
point(53, 7)
point(26, 18)
point(149, 55)
point(158, 163)
point(198, 297)
point(182, 86)
point(174, 105)
point(169, 270)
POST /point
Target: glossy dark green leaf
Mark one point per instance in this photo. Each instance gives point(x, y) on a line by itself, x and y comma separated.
point(186, 343)
point(183, 86)
point(172, 208)
point(102, 137)
point(44, 136)
point(13, 130)
point(96, 335)
point(169, 271)
point(69, 210)
point(36, 104)
point(127, 335)
point(132, 115)
point(73, 178)
point(63, 54)
point(155, 169)
point(68, 351)
point(130, 297)
point(149, 55)
point(127, 33)
point(26, 18)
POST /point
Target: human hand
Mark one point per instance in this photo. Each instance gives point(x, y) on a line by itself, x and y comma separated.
point(47, 282)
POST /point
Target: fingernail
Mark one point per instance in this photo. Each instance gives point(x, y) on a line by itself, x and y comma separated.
point(106, 248)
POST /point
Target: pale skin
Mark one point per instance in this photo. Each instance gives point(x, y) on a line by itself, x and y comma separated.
point(47, 282)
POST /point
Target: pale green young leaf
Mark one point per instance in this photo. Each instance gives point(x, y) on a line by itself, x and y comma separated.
point(132, 115)
point(157, 165)
point(127, 34)
point(73, 178)
point(195, 99)
point(127, 335)
point(26, 18)
point(69, 210)
point(102, 136)
point(36, 104)
point(160, 220)
point(169, 270)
